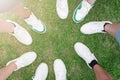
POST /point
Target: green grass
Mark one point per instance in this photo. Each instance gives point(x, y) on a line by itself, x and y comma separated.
point(59, 39)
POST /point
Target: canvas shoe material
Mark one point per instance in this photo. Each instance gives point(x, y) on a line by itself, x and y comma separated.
point(94, 27)
point(81, 11)
point(84, 52)
point(62, 8)
point(24, 60)
point(60, 70)
point(35, 24)
point(21, 34)
point(41, 72)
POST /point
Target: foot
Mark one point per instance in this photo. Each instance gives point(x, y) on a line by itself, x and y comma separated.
point(21, 34)
point(35, 24)
point(62, 8)
point(41, 72)
point(60, 70)
point(84, 52)
point(81, 11)
point(24, 60)
point(94, 27)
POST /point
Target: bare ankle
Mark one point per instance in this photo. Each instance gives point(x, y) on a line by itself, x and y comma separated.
point(12, 26)
point(27, 13)
point(13, 65)
point(91, 1)
point(106, 27)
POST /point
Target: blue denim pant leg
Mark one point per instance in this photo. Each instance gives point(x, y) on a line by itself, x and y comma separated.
point(118, 36)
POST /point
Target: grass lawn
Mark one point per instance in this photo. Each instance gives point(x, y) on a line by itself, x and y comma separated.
point(59, 39)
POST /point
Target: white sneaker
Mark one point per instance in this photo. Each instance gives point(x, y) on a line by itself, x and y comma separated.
point(35, 24)
point(60, 70)
point(84, 52)
point(24, 60)
point(21, 34)
point(41, 72)
point(62, 8)
point(94, 27)
point(81, 11)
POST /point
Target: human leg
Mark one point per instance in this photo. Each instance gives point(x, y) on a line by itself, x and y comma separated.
point(5, 72)
point(16, 64)
point(6, 27)
point(100, 73)
point(6, 5)
point(16, 30)
point(112, 29)
point(24, 60)
point(102, 27)
point(84, 52)
point(34, 23)
point(21, 11)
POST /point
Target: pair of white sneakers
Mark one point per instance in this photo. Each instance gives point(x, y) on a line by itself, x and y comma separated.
point(59, 70)
point(22, 34)
point(89, 28)
point(80, 12)
point(42, 70)
point(92, 27)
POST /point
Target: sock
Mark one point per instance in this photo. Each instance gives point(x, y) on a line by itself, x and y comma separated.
point(93, 63)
